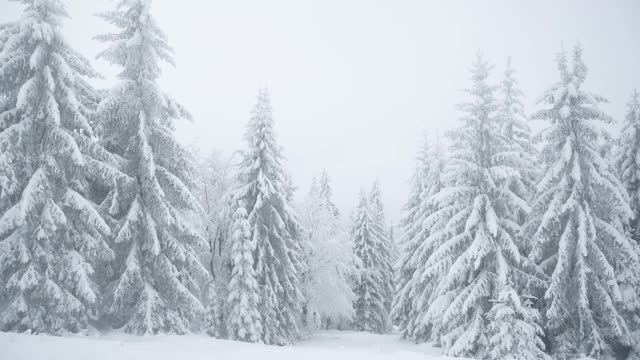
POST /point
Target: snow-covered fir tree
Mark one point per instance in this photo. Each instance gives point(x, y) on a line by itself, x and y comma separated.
point(517, 134)
point(628, 167)
point(412, 299)
point(329, 253)
point(577, 221)
point(244, 321)
point(385, 250)
point(628, 161)
point(279, 260)
point(513, 332)
point(371, 313)
point(325, 191)
point(476, 251)
point(52, 238)
point(159, 274)
point(410, 225)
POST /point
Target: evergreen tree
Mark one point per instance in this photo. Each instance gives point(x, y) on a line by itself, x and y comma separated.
point(265, 190)
point(52, 238)
point(326, 192)
point(413, 298)
point(384, 251)
point(628, 166)
point(410, 224)
point(514, 127)
point(577, 221)
point(329, 253)
point(370, 311)
point(476, 251)
point(244, 321)
point(513, 331)
point(159, 274)
point(628, 161)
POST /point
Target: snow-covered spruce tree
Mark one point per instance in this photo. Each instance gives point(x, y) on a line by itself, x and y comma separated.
point(412, 298)
point(409, 223)
point(244, 321)
point(514, 127)
point(324, 188)
point(628, 167)
point(159, 273)
point(628, 161)
point(384, 251)
point(264, 190)
point(369, 306)
point(577, 221)
point(479, 254)
point(52, 238)
point(329, 252)
point(512, 329)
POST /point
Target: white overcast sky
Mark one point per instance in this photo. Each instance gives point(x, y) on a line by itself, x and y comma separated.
point(355, 82)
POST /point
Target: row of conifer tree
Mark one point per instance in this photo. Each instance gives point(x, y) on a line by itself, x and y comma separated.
point(107, 222)
point(523, 246)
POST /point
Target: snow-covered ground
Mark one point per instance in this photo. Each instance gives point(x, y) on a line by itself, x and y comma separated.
point(330, 345)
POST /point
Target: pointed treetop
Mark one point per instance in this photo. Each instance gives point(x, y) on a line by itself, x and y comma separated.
point(363, 202)
point(633, 106)
point(49, 11)
point(579, 67)
point(326, 192)
point(563, 65)
point(375, 195)
point(140, 46)
point(264, 95)
point(313, 188)
point(325, 184)
point(579, 70)
point(263, 103)
point(510, 87)
point(480, 68)
point(261, 116)
point(481, 89)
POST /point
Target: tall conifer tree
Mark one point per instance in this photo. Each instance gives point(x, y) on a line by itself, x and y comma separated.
point(577, 221)
point(369, 307)
point(51, 234)
point(414, 295)
point(384, 251)
point(325, 191)
point(244, 321)
point(517, 134)
point(628, 161)
point(159, 274)
point(628, 166)
point(477, 253)
point(265, 190)
point(329, 252)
